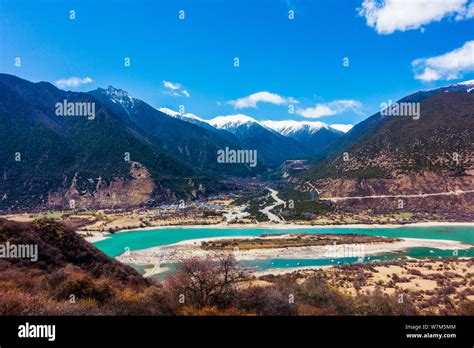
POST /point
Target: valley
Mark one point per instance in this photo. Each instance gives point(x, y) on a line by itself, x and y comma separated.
point(189, 173)
point(307, 201)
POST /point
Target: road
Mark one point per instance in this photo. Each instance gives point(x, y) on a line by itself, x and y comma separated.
point(450, 193)
point(272, 217)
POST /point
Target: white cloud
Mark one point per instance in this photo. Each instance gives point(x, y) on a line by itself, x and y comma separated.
point(428, 75)
point(388, 16)
point(171, 85)
point(175, 89)
point(449, 66)
point(332, 108)
point(468, 12)
point(73, 82)
point(252, 100)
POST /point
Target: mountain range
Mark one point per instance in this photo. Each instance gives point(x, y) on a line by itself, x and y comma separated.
point(314, 136)
point(405, 157)
point(131, 153)
point(196, 140)
point(310, 138)
point(58, 161)
point(189, 143)
point(363, 129)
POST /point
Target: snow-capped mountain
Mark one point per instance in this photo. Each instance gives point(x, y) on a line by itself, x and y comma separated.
point(465, 83)
point(290, 127)
point(342, 127)
point(365, 129)
point(80, 153)
point(273, 147)
point(176, 114)
point(469, 84)
point(196, 146)
point(465, 86)
point(120, 98)
point(382, 145)
point(242, 126)
point(233, 122)
point(169, 112)
point(190, 118)
point(314, 136)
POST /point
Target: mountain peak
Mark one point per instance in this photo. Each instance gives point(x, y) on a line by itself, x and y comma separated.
point(291, 126)
point(117, 92)
point(120, 97)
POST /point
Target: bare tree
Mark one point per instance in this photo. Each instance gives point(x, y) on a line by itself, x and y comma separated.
point(206, 282)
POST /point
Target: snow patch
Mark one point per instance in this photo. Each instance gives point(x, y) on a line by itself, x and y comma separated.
point(342, 127)
point(466, 83)
point(232, 121)
point(169, 112)
point(289, 127)
point(119, 96)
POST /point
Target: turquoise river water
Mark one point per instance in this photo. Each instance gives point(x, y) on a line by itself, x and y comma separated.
point(118, 243)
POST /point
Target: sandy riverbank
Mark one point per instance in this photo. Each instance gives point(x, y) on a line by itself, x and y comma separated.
point(94, 236)
point(177, 252)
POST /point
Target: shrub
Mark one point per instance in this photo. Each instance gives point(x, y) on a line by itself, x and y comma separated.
point(83, 287)
point(205, 282)
point(265, 301)
point(316, 292)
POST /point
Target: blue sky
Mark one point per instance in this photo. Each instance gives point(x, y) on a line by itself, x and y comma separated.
point(295, 62)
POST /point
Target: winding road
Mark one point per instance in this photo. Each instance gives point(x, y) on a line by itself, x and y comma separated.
point(272, 217)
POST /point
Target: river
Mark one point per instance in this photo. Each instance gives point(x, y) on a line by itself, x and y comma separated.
point(118, 243)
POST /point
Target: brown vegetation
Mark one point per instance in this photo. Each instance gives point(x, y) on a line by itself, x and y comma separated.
point(433, 287)
point(268, 241)
point(71, 277)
